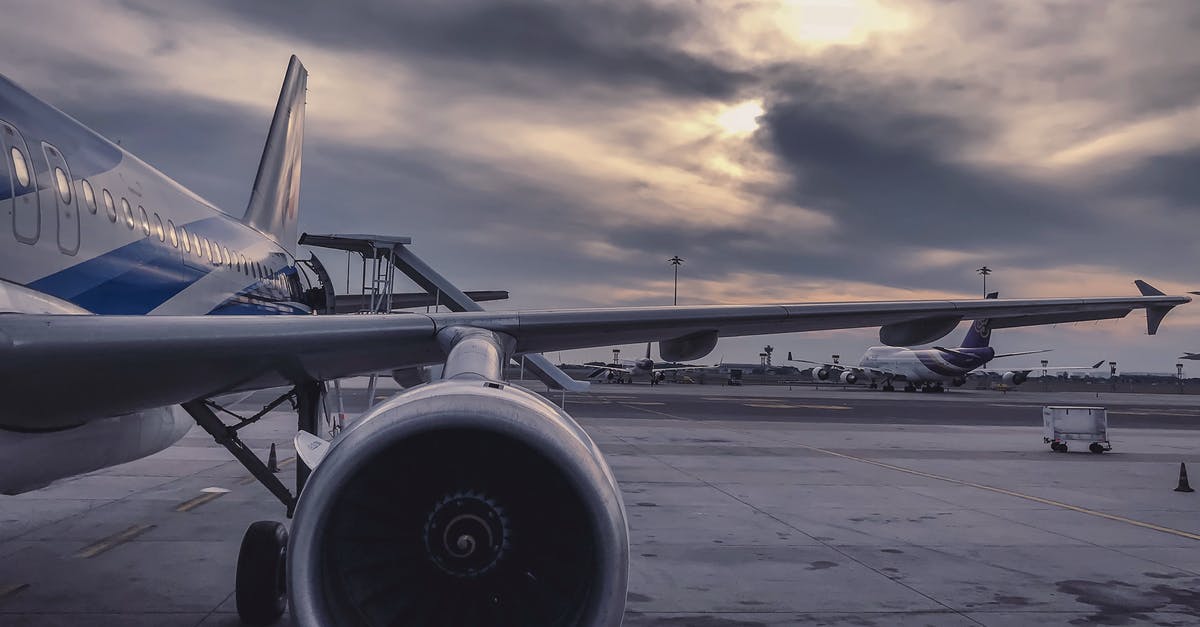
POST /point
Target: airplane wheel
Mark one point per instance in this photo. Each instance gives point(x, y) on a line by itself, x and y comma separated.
point(910, 388)
point(889, 388)
point(261, 588)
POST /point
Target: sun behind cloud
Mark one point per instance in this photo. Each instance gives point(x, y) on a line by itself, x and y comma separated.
point(741, 118)
point(823, 23)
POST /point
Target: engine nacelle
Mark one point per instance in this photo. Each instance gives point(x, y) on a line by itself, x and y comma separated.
point(1015, 378)
point(849, 378)
point(958, 382)
point(463, 500)
point(820, 374)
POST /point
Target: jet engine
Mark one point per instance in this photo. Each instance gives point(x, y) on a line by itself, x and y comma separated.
point(1015, 378)
point(461, 502)
point(820, 374)
point(958, 382)
point(849, 378)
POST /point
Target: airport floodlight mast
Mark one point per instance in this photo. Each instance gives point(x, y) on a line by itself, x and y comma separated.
point(984, 272)
point(676, 261)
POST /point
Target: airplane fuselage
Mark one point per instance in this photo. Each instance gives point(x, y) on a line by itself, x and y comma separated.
point(926, 365)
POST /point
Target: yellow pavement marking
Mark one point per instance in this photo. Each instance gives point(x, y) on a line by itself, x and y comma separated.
point(1027, 497)
point(795, 406)
point(113, 541)
point(193, 503)
point(8, 591)
point(644, 403)
point(655, 411)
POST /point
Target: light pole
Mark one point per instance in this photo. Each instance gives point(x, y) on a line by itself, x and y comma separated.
point(676, 261)
point(984, 272)
point(1112, 374)
point(1179, 375)
point(1045, 377)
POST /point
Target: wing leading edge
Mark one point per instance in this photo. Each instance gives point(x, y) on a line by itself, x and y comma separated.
point(117, 364)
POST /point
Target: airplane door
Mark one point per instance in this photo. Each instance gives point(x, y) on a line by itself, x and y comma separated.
point(63, 187)
point(26, 214)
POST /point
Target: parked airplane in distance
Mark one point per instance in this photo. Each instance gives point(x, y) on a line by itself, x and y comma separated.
point(930, 369)
point(628, 369)
point(130, 303)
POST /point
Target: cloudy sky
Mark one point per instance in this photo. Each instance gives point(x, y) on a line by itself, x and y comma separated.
point(800, 150)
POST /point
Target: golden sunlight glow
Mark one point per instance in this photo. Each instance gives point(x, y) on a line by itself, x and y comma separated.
point(837, 22)
point(742, 118)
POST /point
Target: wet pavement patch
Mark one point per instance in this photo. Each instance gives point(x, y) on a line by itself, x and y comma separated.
point(1120, 603)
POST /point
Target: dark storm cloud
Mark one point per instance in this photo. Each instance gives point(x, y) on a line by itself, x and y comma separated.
point(1171, 179)
point(570, 42)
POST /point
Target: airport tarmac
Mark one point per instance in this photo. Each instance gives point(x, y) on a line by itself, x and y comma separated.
point(747, 506)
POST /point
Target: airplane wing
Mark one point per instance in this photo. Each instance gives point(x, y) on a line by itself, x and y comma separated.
point(614, 369)
point(878, 372)
point(1044, 350)
point(679, 368)
point(118, 364)
point(1035, 368)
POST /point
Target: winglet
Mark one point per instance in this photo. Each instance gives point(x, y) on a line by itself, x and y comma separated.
point(1146, 289)
point(1154, 314)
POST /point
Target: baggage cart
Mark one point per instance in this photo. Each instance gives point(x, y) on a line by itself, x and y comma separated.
point(1061, 424)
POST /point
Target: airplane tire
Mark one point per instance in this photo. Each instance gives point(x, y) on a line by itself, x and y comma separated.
point(261, 584)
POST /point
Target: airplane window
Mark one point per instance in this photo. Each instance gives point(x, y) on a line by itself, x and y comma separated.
point(225, 256)
point(89, 195)
point(109, 206)
point(158, 229)
point(21, 167)
point(207, 249)
point(242, 264)
point(64, 186)
point(183, 238)
point(196, 245)
point(173, 234)
point(145, 220)
point(128, 211)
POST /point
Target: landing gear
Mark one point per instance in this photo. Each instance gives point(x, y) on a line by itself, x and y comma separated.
point(261, 588)
point(261, 582)
point(910, 388)
point(888, 387)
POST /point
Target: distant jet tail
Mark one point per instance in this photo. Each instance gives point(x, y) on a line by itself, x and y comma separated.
point(980, 333)
point(273, 207)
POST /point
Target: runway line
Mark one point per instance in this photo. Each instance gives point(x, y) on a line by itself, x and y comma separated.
point(8, 591)
point(193, 503)
point(113, 541)
point(1028, 497)
point(655, 411)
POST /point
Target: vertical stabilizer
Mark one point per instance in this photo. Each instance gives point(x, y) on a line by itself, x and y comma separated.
point(274, 201)
point(980, 333)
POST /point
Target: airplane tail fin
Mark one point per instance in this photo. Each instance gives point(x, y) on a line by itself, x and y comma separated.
point(273, 201)
point(980, 333)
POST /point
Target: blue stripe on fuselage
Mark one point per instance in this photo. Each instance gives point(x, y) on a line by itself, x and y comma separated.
point(140, 276)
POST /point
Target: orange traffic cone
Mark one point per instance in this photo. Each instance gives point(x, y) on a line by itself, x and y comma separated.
point(1183, 482)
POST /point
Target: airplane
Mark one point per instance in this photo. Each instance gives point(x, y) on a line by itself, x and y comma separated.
point(931, 369)
point(627, 369)
point(131, 305)
point(1187, 355)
